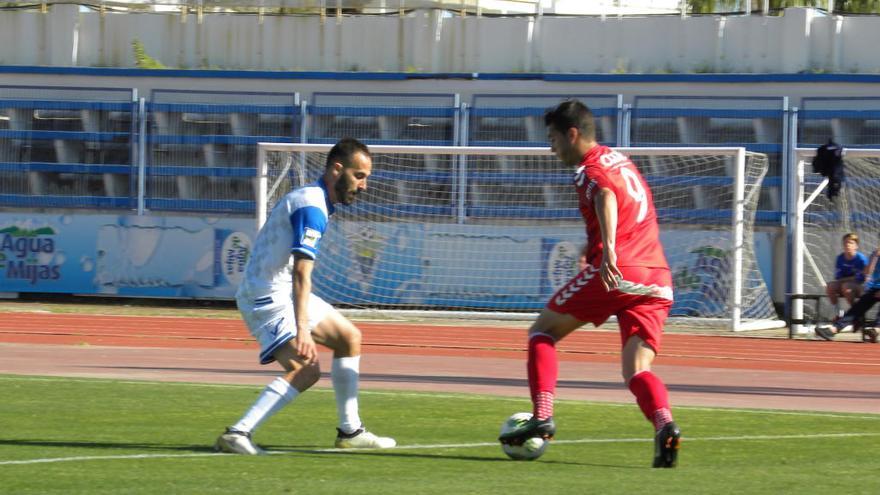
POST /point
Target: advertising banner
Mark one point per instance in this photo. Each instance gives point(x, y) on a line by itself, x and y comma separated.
point(361, 263)
point(123, 254)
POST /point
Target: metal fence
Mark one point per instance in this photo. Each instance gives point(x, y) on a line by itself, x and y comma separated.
point(195, 151)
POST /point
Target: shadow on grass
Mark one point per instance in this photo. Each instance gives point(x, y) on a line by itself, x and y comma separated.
point(106, 445)
point(312, 451)
point(403, 454)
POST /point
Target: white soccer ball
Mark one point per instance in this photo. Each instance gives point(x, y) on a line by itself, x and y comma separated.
point(531, 449)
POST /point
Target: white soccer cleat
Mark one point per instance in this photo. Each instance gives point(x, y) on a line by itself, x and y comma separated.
point(363, 439)
point(237, 442)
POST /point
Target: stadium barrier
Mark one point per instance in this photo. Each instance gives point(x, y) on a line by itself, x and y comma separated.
point(185, 152)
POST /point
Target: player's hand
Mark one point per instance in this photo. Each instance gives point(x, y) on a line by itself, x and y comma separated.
point(305, 347)
point(608, 270)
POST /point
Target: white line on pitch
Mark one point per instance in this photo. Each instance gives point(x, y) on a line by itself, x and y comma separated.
point(435, 447)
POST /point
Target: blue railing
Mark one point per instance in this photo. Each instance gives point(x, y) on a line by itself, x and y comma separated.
point(92, 134)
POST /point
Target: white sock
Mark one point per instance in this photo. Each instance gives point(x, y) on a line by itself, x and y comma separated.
point(344, 375)
point(272, 399)
point(840, 313)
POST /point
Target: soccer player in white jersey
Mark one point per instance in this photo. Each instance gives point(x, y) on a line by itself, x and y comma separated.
point(277, 304)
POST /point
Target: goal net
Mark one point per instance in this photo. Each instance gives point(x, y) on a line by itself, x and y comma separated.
point(466, 231)
point(820, 224)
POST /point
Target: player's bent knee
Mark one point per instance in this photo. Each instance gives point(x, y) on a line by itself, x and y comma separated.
point(556, 325)
point(349, 340)
point(353, 337)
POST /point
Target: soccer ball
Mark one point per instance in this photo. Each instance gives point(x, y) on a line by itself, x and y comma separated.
point(531, 449)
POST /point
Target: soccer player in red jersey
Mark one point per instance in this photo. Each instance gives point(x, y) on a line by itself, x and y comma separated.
point(626, 275)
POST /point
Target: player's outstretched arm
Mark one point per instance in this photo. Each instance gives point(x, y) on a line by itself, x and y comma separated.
point(605, 203)
point(302, 288)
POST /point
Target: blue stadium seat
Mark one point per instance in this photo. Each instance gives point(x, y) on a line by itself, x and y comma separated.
point(517, 120)
point(203, 145)
point(754, 123)
point(851, 121)
point(384, 118)
point(57, 148)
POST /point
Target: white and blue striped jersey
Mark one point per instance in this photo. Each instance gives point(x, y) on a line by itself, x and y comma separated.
point(296, 225)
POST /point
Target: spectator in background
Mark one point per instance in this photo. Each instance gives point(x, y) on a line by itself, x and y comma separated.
point(849, 274)
point(851, 318)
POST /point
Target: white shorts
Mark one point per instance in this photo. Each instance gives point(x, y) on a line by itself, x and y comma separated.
point(271, 319)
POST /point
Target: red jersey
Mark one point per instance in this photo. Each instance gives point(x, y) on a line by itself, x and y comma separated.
point(638, 235)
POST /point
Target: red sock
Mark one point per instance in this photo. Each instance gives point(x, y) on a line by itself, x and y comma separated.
point(543, 371)
point(652, 397)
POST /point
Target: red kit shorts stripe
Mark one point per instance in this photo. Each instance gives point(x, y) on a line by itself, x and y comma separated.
point(641, 302)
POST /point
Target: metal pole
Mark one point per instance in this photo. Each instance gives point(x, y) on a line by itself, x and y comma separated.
point(793, 179)
point(738, 235)
point(618, 140)
point(461, 177)
point(456, 122)
point(797, 305)
point(788, 147)
point(261, 186)
point(142, 156)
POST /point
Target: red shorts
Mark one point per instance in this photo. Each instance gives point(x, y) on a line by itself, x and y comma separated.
point(641, 302)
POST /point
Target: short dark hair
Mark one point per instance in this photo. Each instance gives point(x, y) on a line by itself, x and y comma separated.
point(571, 113)
point(344, 150)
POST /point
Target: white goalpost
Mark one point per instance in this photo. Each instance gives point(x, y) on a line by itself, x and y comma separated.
point(493, 232)
point(818, 224)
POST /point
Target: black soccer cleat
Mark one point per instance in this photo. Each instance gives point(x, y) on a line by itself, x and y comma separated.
point(545, 429)
point(666, 444)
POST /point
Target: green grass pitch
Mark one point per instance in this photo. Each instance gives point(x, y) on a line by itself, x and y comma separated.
point(71, 436)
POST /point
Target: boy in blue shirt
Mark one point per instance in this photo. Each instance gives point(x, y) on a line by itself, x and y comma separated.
point(849, 273)
point(850, 319)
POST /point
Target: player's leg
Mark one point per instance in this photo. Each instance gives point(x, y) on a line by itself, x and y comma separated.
point(851, 317)
point(653, 399)
point(543, 364)
point(543, 372)
point(344, 338)
point(850, 291)
point(650, 392)
point(278, 393)
point(832, 290)
point(641, 330)
point(273, 325)
point(583, 299)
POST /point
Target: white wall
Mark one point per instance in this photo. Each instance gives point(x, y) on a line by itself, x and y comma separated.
point(803, 40)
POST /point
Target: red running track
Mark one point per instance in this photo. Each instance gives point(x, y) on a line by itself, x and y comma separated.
point(698, 370)
point(436, 340)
